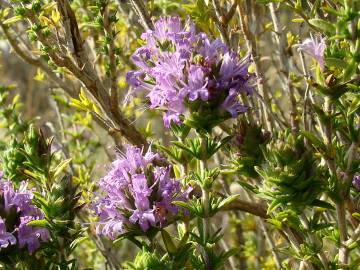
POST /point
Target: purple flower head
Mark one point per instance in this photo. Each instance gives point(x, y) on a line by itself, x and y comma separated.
point(356, 182)
point(110, 228)
point(31, 236)
point(212, 51)
point(19, 203)
point(170, 30)
point(6, 238)
point(136, 193)
point(184, 71)
point(315, 48)
point(197, 84)
point(171, 117)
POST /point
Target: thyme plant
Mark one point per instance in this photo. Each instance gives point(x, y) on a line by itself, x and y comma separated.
point(181, 135)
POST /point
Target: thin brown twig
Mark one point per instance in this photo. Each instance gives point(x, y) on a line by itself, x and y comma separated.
point(220, 21)
point(84, 71)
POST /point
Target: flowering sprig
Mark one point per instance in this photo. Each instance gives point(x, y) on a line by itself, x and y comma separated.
point(137, 194)
point(45, 215)
point(314, 47)
point(186, 74)
point(299, 164)
point(16, 211)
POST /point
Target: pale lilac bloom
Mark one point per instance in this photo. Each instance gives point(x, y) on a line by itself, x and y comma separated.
point(170, 28)
point(140, 186)
point(6, 238)
point(211, 50)
point(315, 47)
point(145, 218)
point(232, 105)
point(356, 182)
point(197, 84)
point(19, 202)
point(111, 228)
point(178, 66)
point(170, 66)
point(142, 58)
point(171, 117)
point(131, 192)
point(31, 236)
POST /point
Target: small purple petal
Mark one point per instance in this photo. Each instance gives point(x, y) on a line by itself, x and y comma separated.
point(356, 182)
point(315, 48)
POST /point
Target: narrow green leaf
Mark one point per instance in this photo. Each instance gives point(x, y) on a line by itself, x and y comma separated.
point(339, 63)
point(186, 206)
point(12, 20)
point(77, 242)
point(228, 200)
point(274, 222)
point(350, 70)
point(38, 223)
point(323, 25)
point(273, 206)
point(169, 244)
point(60, 167)
point(356, 215)
point(322, 204)
point(314, 140)
point(355, 105)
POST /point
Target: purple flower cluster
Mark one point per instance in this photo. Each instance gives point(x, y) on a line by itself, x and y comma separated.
point(179, 67)
point(356, 182)
point(16, 210)
point(315, 48)
point(135, 192)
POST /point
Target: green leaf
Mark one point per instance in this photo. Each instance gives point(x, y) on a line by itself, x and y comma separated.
point(314, 140)
point(273, 206)
point(169, 244)
point(13, 20)
point(38, 223)
point(60, 167)
point(356, 215)
point(355, 105)
point(350, 70)
point(338, 63)
point(40, 75)
point(77, 104)
point(77, 241)
point(248, 186)
point(184, 239)
point(228, 200)
point(323, 25)
point(322, 204)
point(275, 222)
point(353, 245)
point(224, 256)
point(223, 142)
point(186, 206)
point(184, 147)
point(332, 11)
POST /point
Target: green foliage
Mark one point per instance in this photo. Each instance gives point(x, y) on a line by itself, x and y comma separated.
point(291, 175)
point(147, 260)
point(248, 145)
